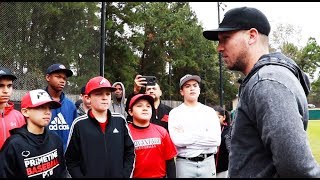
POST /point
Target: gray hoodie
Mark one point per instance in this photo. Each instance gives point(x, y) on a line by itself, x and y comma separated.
point(268, 136)
point(119, 107)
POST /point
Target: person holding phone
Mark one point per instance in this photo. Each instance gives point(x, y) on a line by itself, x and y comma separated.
point(160, 114)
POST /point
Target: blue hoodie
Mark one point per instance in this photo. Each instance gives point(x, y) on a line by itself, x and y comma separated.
point(268, 136)
point(62, 118)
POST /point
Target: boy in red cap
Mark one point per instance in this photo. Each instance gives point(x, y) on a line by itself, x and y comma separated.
point(32, 150)
point(154, 149)
point(99, 144)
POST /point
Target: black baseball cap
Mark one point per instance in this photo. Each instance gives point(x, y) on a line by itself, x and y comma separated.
point(242, 18)
point(83, 90)
point(5, 72)
point(59, 67)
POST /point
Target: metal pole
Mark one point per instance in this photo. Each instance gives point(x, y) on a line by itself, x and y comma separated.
point(103, 38)
point(220, 64)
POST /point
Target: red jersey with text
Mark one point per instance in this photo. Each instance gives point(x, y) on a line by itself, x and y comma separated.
point(153, 146)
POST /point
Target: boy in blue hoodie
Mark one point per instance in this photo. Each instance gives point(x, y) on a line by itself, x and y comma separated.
point(62, 117)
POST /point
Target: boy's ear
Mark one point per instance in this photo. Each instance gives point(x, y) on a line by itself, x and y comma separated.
point(130, 112)
point(47, 77)
point(25, 112)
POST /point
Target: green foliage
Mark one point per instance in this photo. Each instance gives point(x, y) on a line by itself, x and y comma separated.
point(171, 37)
point(163, 39)
point(313, 136)
point(150, 38)
point(309, 59)
point(41, 34)
point(306, 57)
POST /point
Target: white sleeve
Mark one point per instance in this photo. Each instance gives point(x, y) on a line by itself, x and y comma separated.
point(177, 132)
point(211, 136)
point(208, 134)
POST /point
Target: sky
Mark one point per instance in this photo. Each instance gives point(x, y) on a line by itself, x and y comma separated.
point(302, 15)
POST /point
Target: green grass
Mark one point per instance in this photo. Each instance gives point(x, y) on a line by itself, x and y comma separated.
point(313, 131)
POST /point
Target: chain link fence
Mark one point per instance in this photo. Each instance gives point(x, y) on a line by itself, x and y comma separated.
point(35, 35)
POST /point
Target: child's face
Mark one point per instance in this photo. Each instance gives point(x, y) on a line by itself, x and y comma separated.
point(6, 90)
point(221, 117)
point(100, 99)
point(85, 100)
point(38, 116)
point(57, 80)
point(190, 91)
point(141, 111)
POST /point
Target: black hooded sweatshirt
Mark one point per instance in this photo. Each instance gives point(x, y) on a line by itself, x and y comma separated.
point(26, 155)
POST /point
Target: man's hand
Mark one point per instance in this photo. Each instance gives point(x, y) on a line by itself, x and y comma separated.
point(139, 82)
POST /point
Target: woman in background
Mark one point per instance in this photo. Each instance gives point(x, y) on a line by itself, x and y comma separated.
point(222, 156)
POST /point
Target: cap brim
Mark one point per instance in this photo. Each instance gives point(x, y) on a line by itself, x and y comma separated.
point(13, 77)
point(213, 34)
point(53, 104)
point(146, 97)
point(112, 89)
point(193, 77)
point(68, 72)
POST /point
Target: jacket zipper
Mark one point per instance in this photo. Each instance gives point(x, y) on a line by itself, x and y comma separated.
point(3, 126)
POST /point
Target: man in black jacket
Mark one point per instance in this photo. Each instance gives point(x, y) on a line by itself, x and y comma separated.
point(100, 145)
point(160, 114)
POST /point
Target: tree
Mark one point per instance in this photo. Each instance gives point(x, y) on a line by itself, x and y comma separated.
point(309, 57)
point(285, 34)
point(170, 36)
point(40, 34)
point(150, 38)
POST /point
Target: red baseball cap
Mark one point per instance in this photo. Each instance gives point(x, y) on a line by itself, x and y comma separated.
point(97, 83)
point(137, 97)
point(37, 98)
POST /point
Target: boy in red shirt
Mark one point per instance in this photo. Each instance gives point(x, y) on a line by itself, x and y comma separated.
point(154, 148)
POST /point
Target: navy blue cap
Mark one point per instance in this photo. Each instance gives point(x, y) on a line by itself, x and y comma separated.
point(7, 72)
point(59, 67)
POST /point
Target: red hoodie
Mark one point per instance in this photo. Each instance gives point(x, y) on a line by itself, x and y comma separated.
point(10, 119)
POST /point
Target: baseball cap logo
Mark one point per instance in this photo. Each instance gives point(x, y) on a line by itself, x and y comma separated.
point(2, 72)
point(38, 96)
point(184, 77)
point(103, 81)
point(62, 66)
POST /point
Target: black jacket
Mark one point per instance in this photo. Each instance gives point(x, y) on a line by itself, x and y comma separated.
point(93, 153)
point(159, 116)
point(222, 156)
point(24, 155)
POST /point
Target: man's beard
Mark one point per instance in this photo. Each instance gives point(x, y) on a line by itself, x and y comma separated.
point(240, 63)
